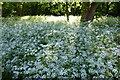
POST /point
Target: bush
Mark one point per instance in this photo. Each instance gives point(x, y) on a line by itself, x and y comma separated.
point(54, 50)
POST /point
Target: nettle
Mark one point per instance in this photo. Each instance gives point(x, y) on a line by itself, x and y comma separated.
point(49, 50)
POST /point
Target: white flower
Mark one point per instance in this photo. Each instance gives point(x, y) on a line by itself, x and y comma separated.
point(53, 75)
point(3, 53)
point(69, 50)
point(44, 76)
point(39, 66)
point(45, 69)
point(101, 76)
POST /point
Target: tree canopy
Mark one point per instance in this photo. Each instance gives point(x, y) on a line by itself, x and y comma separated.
point(58, 8)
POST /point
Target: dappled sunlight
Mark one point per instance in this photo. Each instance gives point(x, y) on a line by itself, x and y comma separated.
point(25, 17)
point(63, 19)
point(108, 20)
point(55, 19)
point(50, 47)
point(59, 40)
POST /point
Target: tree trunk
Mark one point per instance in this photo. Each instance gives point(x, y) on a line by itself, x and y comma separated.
point(89, 13)
point(67, 11)
point(0, 10)
point(23, 9)
point(17, 10)
point(85, 8)
point(108, 6)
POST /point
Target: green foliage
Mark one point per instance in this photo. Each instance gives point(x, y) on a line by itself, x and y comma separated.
point(57, 8)
point(58, 49)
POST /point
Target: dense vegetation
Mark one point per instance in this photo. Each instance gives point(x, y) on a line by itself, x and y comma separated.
point(60, 40)
point(59, 8)
point(37, 47)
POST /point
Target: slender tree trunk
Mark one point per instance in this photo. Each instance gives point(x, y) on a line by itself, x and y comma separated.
point(75, 8)
point(67, 11)
point(89, 13)
point(23, 9)
point(0, 10)
point(17, 12)
point(107, 7)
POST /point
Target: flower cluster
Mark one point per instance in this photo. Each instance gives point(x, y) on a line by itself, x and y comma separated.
point(49, 50)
